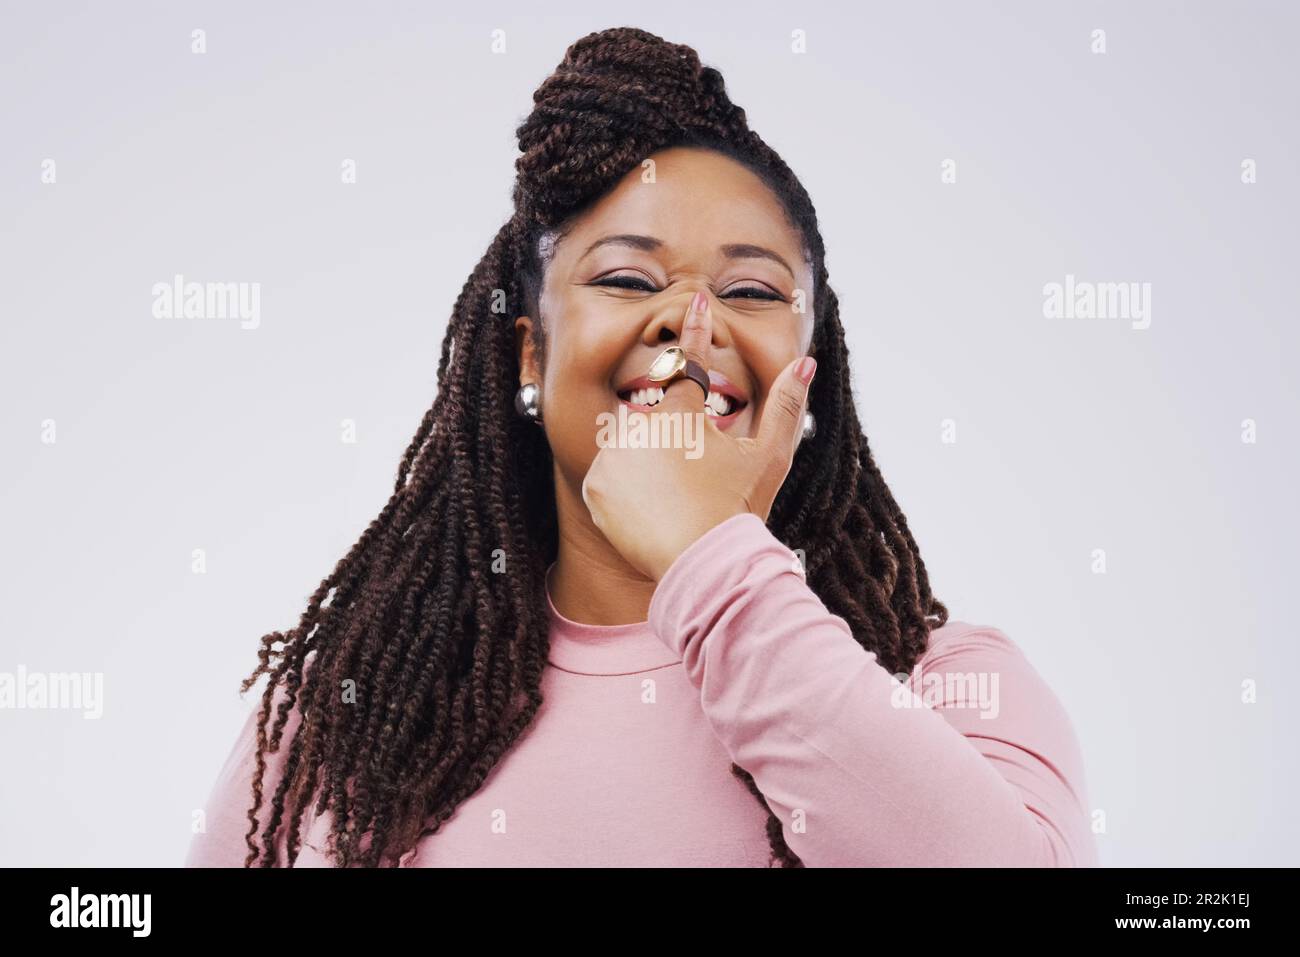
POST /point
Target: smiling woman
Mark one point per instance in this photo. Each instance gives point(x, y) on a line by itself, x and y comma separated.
point(549, 651)
point(701, 222)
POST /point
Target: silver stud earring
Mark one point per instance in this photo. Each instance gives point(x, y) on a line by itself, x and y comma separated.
point(528, 402)
point(809, 425)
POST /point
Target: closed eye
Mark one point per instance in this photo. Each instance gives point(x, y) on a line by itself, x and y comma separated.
point(742, 292)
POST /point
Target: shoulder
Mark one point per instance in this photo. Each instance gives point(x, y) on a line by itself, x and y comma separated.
point(983, 684)
point(965, 644)
point(964, 637)
point(986, 683)
point(221, 841)
point(985, 649)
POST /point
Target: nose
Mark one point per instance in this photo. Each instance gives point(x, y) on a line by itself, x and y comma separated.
point(666, 324)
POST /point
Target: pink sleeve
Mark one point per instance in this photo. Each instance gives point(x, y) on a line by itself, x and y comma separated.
point(226, 821)
point(858, 770)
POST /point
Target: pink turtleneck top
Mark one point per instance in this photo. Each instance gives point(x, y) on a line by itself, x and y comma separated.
point(970, 760)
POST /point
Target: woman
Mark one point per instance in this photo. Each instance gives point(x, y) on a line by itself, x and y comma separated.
point(555, 649)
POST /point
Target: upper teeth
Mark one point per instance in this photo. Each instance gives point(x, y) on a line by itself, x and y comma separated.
point(717, 403)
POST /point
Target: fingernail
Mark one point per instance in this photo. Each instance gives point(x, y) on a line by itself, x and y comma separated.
point(805, 369)
point(699, 302)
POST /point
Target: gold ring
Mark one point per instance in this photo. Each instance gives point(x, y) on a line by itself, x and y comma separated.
point(672, 364)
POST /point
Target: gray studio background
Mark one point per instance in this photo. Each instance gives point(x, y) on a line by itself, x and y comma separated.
point(1072, 435)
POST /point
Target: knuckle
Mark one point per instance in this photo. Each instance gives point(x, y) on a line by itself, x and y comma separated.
point(789, 404)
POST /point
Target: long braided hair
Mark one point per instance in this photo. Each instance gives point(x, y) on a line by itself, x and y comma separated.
point(444, 656)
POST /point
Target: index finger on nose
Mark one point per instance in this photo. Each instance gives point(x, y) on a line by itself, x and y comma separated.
point(697, 342)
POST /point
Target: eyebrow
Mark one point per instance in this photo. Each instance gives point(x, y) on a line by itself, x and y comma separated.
point(651, 244)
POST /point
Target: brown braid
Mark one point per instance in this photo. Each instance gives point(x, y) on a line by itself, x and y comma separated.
point(446, 656)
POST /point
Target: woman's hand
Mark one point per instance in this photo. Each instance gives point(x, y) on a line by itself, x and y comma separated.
point(651, 503)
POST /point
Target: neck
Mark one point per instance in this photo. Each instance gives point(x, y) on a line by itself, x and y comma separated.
point(591, 582)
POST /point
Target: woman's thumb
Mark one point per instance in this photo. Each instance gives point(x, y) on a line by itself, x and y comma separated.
point(782, 421)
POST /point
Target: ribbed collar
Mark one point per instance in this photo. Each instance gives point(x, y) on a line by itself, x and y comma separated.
point(604, 649)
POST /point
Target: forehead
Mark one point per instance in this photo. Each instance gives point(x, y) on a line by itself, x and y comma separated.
point(695, 200)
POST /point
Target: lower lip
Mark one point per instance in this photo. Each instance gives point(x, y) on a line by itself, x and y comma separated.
point(723, 422)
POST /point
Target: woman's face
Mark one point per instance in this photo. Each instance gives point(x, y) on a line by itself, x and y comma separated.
point(617, 290)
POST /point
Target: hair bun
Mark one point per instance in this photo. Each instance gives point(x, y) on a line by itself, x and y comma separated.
point(616, 97)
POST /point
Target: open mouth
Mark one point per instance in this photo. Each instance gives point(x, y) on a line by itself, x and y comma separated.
point(719, 405)
point(723, 405)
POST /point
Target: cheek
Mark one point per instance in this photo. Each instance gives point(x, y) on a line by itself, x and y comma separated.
point(581, 365)
point(577, 390)
point(767, 354)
